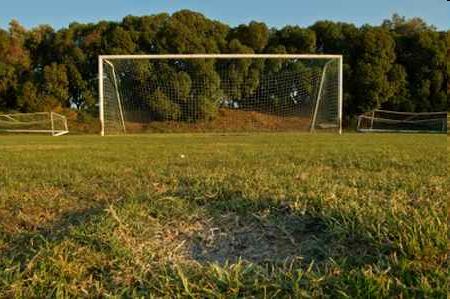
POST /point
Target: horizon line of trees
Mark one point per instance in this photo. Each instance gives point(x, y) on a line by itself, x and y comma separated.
point(400, 65)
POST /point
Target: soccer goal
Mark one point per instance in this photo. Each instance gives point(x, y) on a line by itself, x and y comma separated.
point(42, 122)
point(407, 122)
point(220, 93)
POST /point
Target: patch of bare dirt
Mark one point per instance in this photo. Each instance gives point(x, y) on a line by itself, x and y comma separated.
point(254, 238)
point(228, 120)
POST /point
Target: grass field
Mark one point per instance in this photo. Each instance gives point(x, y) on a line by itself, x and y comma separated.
point(211, 216)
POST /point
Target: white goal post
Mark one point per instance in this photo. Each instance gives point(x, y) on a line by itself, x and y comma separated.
point(406, 122)
point(220, 92)
point(39, 122)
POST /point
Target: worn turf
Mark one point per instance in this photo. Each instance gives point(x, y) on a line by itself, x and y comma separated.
point(260, 215)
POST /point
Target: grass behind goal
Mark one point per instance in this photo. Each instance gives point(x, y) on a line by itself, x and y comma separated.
point(203, 215)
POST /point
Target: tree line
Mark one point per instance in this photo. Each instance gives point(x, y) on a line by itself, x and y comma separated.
point(401, 64)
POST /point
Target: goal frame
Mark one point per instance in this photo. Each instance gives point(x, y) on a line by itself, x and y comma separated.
point(108, 58)
point(52, 130)
point(372, 118)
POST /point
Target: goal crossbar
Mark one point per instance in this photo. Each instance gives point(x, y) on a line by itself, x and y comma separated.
point(221, 56)
point(395, 121)
point(411, 113)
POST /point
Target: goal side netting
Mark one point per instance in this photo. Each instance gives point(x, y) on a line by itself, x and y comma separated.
point(220, 93)
point(407, 122)
point(41, 122)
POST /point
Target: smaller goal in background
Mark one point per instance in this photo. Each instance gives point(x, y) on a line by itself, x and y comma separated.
point(407, 122)
point(40, 122)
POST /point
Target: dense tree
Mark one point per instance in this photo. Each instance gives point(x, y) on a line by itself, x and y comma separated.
point(254, 35)
point(40, 44)
point(342, 38)
point(190, 32)
point(294, 40)
point(145, 30)
point(447, 77)
point(376, 57)
point(401, 64)
point(422, 51)
point(120, 41)
point(14, 64)
point(29, 98)
point(403, 26)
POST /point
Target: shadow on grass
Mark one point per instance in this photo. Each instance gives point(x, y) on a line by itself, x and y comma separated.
point(233, 228)
point(29, 258)
point(24, 246)
point(265, 230)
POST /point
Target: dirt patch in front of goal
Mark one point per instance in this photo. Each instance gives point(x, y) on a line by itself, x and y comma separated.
point(257, 239)
point(228, 120)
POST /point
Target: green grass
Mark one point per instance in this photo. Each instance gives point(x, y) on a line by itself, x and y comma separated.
point(268, 215)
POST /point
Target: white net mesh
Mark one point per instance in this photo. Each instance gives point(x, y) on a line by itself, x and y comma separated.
point(41, 122)
point(241, 94)
point(392, 121)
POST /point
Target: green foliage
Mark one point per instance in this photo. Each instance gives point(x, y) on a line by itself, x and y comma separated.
point(447, 62)
point(14, 63)
point(237, 70)
point(162, 107)
point(205, 108)
point(120, 41)
point(191, 32)
point(205, 103)
point(376, 50)
point(401, 64)
point(56, 83)
point(422, 51)
point(80, 94)
point(295, 40)
point(146, 29)
point(183, 86)
point(400, 99)
point(254, 35)
point(29, 99)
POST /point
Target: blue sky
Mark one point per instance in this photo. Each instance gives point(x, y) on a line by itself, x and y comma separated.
point(60, 13)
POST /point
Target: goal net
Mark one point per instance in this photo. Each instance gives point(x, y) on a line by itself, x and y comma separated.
point(392, 121)
point(220, 93)
point(42, 122)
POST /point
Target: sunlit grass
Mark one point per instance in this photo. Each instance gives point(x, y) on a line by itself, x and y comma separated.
point(204, 215)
